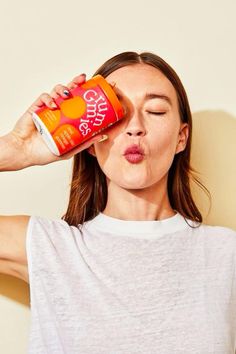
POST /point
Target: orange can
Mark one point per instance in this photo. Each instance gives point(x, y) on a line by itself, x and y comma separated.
point(92, 107)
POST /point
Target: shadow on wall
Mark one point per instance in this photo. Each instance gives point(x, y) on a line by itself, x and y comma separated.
point(214, 157)
point(15, 289)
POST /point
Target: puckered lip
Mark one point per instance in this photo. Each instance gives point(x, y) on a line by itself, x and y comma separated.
point(134, 149)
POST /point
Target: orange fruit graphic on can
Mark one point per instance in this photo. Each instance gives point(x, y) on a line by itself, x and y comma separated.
point(92, 107)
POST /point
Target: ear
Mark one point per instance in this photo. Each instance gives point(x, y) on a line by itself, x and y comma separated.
point(183, 138)
point(91, 150)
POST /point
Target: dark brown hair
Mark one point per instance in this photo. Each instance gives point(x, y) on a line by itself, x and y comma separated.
point(88, 193)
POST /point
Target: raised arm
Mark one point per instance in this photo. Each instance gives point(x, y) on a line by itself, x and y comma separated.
point(13, 260)
point(21, 148)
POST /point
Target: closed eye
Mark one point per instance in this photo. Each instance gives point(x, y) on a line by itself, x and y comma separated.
point(157, 113)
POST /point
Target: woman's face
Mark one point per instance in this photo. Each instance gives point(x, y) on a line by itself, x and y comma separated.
point(151, 123)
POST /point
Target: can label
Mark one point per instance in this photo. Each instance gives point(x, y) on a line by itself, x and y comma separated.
point(78, 118)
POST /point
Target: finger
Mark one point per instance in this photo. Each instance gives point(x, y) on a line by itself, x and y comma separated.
point(60, 90)
point(83, 146)
point(77, 80)
point(43, 99)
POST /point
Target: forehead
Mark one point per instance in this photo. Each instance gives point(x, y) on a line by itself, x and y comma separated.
point(138, 79)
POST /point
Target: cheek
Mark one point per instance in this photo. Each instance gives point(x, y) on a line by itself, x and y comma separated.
point(107, 149)
point(163, 140)
point(162, 150)
point(112, 166)
point(106, 157)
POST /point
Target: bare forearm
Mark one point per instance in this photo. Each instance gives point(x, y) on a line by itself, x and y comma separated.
point(12, 155)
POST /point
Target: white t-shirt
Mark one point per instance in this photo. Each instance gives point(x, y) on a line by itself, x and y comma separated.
point(131, 287)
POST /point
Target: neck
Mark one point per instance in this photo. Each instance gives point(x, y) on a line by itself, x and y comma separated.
point(150, 203)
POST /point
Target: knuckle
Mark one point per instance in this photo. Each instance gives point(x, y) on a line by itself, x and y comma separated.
point(71, 85)
point(59, 90)
point(44, 95)
point(58, 87)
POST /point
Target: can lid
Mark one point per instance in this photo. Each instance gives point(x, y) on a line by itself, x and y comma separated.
point(111, 95)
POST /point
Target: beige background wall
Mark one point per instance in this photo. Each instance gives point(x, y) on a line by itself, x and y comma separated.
point(48, 42)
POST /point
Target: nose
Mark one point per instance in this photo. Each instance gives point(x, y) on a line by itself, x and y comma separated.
point(135, 126)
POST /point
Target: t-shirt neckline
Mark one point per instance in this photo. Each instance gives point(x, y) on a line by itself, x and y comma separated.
point(116, 226)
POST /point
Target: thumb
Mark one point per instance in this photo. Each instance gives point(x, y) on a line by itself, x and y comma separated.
point(84, 146)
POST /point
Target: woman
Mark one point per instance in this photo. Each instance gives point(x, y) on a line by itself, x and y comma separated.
point(130, 267)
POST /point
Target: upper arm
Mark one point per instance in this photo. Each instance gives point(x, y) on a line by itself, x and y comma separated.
point(13, 258)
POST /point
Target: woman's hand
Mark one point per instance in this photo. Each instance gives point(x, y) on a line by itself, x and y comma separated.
point(26, 136)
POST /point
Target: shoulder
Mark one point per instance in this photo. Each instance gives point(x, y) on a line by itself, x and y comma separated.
point(42, 228)
point(50, 222)
point(52, 247)
point(216, 242)
point(217, 236)
point(211, 232)
point(218, 230)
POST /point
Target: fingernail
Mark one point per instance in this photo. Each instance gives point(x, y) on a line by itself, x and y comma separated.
point(66, 92)
point(53, 105)
point(103, 138)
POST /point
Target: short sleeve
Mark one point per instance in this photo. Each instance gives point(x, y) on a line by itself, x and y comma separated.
point(52, 247)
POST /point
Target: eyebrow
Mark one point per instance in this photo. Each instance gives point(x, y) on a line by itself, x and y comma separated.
point(150, 96)
point(147, 96)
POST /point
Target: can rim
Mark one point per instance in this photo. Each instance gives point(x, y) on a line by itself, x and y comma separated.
point(111, 95)
point(47, 137)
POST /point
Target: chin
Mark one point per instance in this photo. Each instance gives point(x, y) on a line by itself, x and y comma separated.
point(133, 185)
